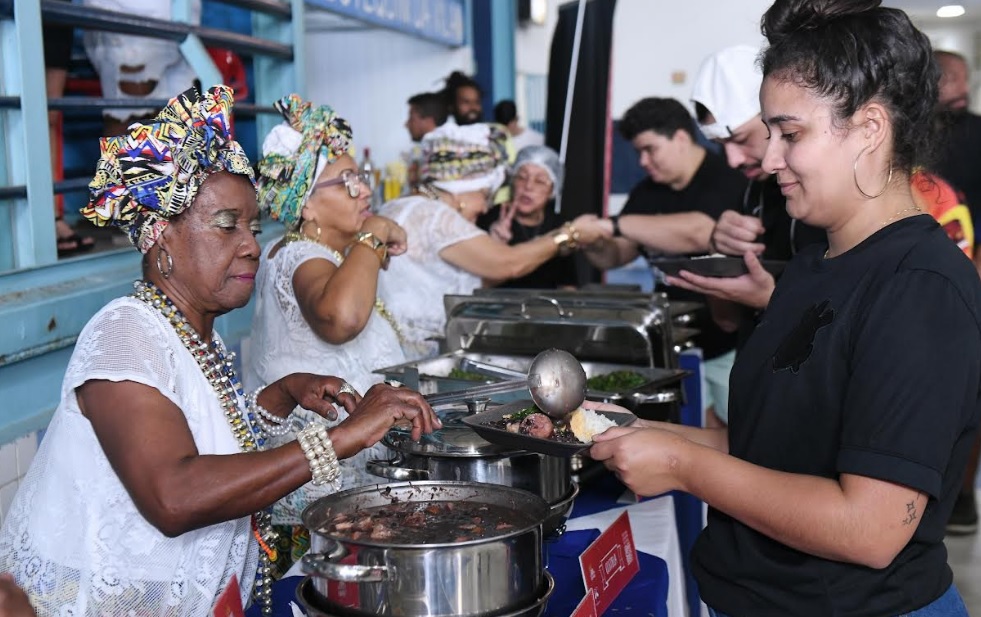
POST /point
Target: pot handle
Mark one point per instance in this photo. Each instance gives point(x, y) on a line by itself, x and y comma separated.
point(665, 396)
point(391, 471)
point(316, 564)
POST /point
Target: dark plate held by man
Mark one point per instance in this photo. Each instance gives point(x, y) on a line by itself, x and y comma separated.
point(718, 266)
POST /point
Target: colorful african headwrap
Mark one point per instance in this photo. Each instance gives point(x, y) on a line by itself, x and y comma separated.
point(153, 172)
point(295, 153)
point(453, 152)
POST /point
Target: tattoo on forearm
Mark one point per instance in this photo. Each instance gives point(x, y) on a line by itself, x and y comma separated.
point(910, 513)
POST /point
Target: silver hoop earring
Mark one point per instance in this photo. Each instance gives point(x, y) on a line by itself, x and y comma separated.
point(859, 186)
point(170, 264)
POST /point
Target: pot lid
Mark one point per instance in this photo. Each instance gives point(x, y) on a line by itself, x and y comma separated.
point(454, 439)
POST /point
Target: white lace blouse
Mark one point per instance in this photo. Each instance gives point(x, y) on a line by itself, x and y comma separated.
point(416, 282)
point(73, 537)
point(283, 343)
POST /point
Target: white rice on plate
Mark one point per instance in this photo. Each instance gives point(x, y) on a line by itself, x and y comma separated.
point(585, 423)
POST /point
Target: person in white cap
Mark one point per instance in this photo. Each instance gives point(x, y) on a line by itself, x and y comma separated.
point(727, 106)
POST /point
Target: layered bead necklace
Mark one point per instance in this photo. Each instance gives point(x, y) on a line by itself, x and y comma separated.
point(380, 307)
point(217, 365)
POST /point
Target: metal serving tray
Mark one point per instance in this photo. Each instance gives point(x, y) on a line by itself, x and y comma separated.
point(605, 332)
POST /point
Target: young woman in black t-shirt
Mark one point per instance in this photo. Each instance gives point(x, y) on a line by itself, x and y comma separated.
point(856, 399)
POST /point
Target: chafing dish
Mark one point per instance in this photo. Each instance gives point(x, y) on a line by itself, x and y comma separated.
point(591, 328)
point(681, 312)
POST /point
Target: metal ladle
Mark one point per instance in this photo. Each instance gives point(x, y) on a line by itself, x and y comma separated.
point(555, 380)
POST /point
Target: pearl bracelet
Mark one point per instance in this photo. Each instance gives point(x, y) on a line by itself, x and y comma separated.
point(319, 451)
point(272, 424)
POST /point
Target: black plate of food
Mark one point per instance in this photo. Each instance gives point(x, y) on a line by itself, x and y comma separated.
point(719, 266)
point(492, 426)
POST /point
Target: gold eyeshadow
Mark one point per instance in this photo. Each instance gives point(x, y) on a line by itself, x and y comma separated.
point(225, 218)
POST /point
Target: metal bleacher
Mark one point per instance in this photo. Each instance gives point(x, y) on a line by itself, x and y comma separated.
point(44, 302)
point(26, 186)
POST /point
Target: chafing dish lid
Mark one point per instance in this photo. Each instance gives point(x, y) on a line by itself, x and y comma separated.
point(455, 439)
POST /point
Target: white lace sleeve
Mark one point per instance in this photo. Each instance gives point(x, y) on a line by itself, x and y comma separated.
point(73, 537)
point(414, 286)
point(288, 260)
point(438, 226)
point(122, 343)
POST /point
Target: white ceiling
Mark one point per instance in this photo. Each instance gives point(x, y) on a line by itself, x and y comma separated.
point(925, 11)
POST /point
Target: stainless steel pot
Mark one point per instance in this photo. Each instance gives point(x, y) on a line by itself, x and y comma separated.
point(499, 574)
point(307, 597)
point(457, 453)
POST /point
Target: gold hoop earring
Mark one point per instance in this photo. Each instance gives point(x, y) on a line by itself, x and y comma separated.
point(859, 186)
point(170, 263)
point(303, 224)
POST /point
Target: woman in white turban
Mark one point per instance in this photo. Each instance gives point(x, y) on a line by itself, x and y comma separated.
point(317, 309)
point(448, 254)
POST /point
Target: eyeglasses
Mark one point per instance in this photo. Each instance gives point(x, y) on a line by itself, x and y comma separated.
point(537, 182)
point(351, 179)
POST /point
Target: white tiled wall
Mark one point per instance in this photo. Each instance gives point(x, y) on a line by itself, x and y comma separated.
point(15, 458)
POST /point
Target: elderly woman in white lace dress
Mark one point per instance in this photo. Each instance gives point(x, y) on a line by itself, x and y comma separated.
point(317, 309)
point(150, 492)
point(448, 254)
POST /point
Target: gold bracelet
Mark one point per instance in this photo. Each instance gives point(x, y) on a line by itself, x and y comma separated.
point(567, 239)
point(371, 241)
point(573, 235)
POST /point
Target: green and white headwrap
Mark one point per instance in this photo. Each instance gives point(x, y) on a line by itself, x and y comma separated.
point(295, 153)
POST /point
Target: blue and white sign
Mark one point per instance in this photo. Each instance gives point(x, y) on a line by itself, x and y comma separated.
point(441, 21)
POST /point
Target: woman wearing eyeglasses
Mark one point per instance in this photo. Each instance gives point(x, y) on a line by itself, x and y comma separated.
point(317, 309)
point(536, 180)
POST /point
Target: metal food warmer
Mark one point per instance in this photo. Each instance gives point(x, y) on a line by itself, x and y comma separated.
point(619, 327)
point(629, 331)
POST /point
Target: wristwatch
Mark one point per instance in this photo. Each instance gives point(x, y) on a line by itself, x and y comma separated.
point(371, 241)
point(615, 221)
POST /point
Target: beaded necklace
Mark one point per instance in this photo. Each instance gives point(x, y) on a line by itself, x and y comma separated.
point(380, 307)
point(217, 365)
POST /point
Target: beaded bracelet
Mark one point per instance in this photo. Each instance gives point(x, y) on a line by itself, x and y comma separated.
point(319, 451)
point(272, 424)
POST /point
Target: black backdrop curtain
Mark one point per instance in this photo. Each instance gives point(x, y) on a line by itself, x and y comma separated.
point(585, 167)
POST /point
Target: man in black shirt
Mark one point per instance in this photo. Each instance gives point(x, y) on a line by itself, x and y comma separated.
point(960, 155)
point(673, 211)
point(959, 162)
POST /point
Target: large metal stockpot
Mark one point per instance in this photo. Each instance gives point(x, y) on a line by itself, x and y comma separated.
point(308, 599)
point(457, 453)
point(475, 577)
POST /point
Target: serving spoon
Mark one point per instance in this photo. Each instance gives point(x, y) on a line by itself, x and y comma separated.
point(555, 380)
